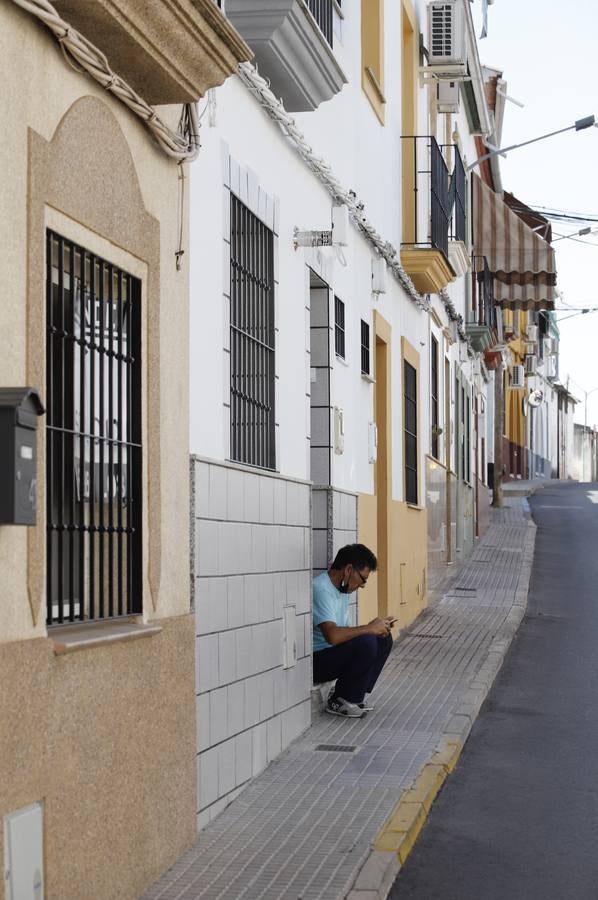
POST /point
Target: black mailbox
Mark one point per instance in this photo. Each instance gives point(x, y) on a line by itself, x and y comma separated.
point(19, 409)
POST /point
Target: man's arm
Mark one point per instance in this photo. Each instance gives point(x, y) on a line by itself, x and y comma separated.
point(338, 634)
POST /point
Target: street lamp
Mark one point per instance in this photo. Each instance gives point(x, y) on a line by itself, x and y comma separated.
point(582, 231)
point(586, 395)
point(579, 125)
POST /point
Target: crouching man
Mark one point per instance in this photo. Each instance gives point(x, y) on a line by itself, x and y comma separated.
point(354, 656)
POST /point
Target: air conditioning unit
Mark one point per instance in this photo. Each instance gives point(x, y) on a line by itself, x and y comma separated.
point(447, 95)
point(532, 333)
point(530, 364)
point(518, 377)
point(447, 53)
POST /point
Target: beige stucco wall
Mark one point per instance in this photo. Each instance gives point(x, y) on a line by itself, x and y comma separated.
point(105, 736)
point(100, 188)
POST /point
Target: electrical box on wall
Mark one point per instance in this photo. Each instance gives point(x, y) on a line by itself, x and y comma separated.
point(447, 94)
point(339, 431)
point(378, 275)
point(340, 225)
point(19, 410)
point(372, 442)
point(24, 853)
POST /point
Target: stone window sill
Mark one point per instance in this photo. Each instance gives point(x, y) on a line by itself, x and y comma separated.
point(70, 638)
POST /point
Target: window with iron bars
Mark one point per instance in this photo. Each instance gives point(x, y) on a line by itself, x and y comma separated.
point(252, 377)
point(434, 396)
point(339, 327)
point(322, 11)
point(365, 348)
point(93, 436)
point(410, 413)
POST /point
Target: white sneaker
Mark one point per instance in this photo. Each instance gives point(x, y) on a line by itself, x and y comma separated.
point(336, 706)
point(366, 704)
point(326, 689)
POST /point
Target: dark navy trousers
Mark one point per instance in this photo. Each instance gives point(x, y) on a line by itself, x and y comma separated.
point(355, 664)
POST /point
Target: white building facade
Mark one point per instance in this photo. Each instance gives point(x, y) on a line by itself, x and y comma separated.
point(334, 394)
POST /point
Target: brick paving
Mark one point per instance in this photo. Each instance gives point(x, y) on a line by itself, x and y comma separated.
point(305, 826)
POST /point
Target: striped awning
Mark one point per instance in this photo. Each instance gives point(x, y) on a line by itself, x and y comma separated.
point(521, 262)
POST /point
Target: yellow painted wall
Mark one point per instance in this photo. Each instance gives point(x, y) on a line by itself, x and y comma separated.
point(407, 573)
point(399, 590)
point(407, 560)
point(367, 607)
point(372, 54)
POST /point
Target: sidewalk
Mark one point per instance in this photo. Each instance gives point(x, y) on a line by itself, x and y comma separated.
point(338, 812)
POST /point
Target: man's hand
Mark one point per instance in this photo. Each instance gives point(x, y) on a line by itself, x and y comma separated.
point(379, 627)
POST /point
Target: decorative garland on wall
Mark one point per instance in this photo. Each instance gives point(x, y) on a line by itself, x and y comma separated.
point(83, 56)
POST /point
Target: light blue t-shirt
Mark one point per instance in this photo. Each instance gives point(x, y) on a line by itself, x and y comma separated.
point(329, 605)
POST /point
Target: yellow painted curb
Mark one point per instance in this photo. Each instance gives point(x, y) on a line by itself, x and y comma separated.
point(448, 756)
point(401, 830)
point(426, 787)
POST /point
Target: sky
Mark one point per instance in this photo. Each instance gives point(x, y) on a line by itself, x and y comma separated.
point(547, 51)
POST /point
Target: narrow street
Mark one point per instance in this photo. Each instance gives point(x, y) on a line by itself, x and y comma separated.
point(518, 817)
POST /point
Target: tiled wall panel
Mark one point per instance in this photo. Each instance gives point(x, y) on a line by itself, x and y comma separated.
point(252, 558)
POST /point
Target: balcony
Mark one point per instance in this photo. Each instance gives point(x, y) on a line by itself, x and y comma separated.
point(482, 327)
point(458, 252)
point(292, 42)
point(426, 215)
point(172, 53)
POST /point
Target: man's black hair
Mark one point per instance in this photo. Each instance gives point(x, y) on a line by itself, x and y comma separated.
point(357, 555)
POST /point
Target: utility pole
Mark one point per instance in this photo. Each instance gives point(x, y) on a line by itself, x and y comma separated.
point(499, 427)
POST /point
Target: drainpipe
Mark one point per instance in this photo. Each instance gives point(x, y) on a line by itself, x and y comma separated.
point(499, 427)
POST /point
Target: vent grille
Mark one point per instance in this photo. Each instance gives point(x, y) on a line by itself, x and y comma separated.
point(431, 636)
point(441, 37)
point(336, 748)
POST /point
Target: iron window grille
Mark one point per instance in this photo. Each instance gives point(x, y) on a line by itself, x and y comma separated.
point(410, 407)
point(434, 396)
point(458, 194)
point(252, 376)
point(93, 436)
point(365, 348)
point(483, 303)
point(339, 327)
point(430, 179)
point(322, 11)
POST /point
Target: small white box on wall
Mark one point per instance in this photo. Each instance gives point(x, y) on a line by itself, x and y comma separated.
point(378, 275)
point(339, 431)
point(24, 853)
point(289, 637)
point(372, 442)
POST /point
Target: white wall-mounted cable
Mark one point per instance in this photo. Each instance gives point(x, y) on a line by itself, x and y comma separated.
point(260, 89)
point(182, 145)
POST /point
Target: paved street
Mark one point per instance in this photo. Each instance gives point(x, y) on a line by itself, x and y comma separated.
point(313, 824)
point(518, 818)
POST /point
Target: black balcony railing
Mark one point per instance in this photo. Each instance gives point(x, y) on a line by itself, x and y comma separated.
point(322, 12)
point(458, 193)
point(483, 294)
point(428, 218)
